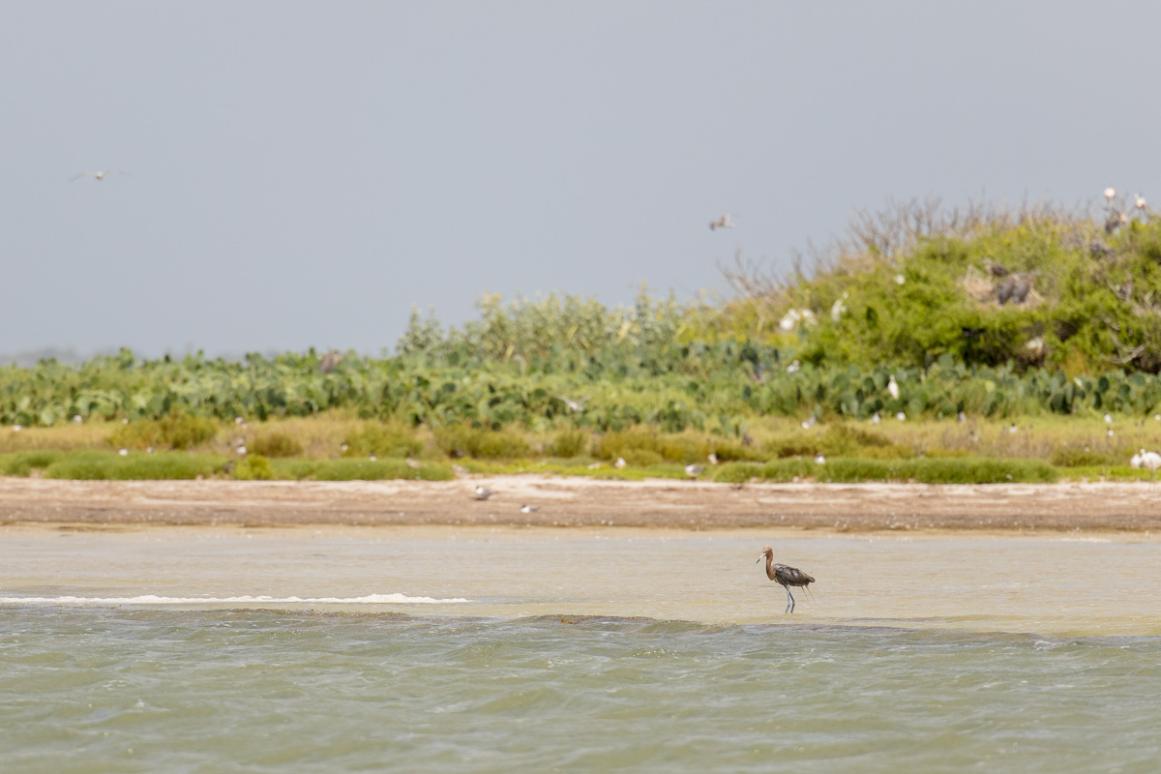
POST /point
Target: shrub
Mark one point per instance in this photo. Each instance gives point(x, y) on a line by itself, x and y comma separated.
point(568, 443)
point(275, 445)
point(254, 467)
point(106, 466)
point(462, 441)
point(385, 440)
point(1078, 457)
point(377, 470)
point(23, 463)
point(174, 431)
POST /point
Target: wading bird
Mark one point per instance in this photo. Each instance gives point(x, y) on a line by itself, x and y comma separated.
point(784, 576)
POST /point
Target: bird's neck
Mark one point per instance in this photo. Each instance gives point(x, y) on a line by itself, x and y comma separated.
point(770, 566)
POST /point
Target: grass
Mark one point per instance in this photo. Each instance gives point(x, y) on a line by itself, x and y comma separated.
point(772, 448)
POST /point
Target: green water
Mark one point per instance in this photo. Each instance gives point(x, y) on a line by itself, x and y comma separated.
point(446, 649)
point(115, 689)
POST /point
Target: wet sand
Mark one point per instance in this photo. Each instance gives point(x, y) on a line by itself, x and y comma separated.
point(576, 502)
point(1045, 584)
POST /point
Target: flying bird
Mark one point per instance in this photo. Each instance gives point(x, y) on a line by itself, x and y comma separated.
point(97, 175)
point(785, 576)
point(722, 221)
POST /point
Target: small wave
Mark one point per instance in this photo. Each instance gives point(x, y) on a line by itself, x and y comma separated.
point(153, 599)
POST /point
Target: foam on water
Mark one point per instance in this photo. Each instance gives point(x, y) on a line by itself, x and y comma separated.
point(153, 599)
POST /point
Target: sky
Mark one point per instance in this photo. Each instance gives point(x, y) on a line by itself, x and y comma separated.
point(292, 174)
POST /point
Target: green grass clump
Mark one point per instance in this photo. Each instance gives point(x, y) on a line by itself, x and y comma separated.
point(378, 470)
point(465, 441)
point(383, 440)
point(926, 471)
point(254, 467)
point(98, 466)
point(23, 463)
point(174, 431)
point(276, 445)
point(568, 443)
point(1074, 457)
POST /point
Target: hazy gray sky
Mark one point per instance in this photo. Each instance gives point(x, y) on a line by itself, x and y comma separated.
point(306, 173)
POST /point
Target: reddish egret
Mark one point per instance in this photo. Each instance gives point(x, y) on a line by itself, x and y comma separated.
point(785, 576)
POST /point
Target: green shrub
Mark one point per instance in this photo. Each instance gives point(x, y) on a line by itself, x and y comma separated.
point(926, 471)
point(377, 470)
point(383, 440)
point(253, 467)
point(23, 463)
point(642, 458)
point(1077, 457)
point(275, 445)
point(568, 443)
point(463, 441)
point(108, 466)
point(174, 431)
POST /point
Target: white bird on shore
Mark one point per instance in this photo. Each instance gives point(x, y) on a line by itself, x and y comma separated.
point(693, 470)
point(876, 419)
point(1135, 460)
point(901, 417)
point(820, 459)
point(620, 463)
point(1108, 419)
point(893, 387)
point(528, 509)
point(1150, 460)
point(482, 492)
point(725, 220)
point(713, 458)
point(241, 450)
point(123, 452)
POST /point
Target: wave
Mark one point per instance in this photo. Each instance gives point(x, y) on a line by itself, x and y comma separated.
point(153, 599)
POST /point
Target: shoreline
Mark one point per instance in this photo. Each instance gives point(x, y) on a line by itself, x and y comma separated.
point(582, 502)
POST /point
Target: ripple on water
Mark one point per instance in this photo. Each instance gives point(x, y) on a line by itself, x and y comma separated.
point(299, 688)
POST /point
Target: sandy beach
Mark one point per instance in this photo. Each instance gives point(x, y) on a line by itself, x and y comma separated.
point(561, 502)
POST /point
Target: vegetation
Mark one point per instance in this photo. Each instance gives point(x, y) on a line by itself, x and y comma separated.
point(910, 350)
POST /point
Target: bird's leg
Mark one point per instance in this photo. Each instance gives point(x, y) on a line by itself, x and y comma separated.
point(789, 600)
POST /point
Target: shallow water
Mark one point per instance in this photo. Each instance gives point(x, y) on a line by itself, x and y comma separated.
point(939, 653)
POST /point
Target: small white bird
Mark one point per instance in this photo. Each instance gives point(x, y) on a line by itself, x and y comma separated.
point(1140, 203)
point(1012, 428)
point(725, 220)
point(241, 451)
point(529, 509)
point(1109, 433)
point(239, 421)
point(97, 175)
point(1150, 460)
point(876, 419)
point(1135, 460)
point(901, 416)
point(620, 463)
point(344, 448)
point(808, 423)
point(1110, 194)
point(373, 458)
point(573, 405)
point(961, 417)
point(793, 367)
point(820, 459)
point(482, 492)
point(1108, 419)
point(893, 387)
point(123, 452)
point(900, 279)
point(77, 419)
point(713, 458)
point(693, 470)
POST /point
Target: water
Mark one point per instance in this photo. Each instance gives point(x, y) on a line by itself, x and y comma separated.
point(207, 650)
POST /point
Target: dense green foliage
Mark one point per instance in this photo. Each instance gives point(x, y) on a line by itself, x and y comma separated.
point(925, 311)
